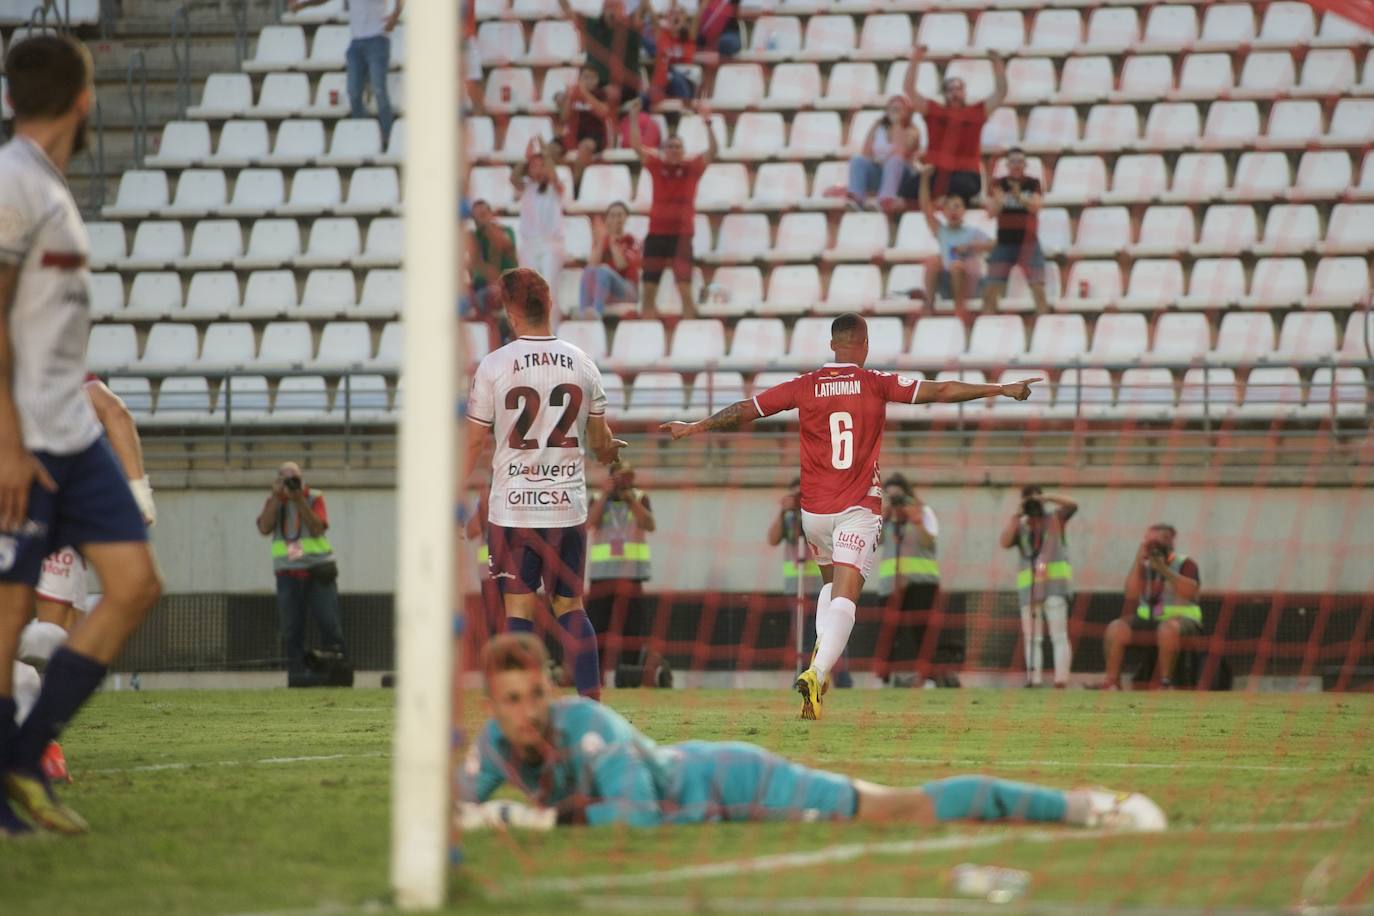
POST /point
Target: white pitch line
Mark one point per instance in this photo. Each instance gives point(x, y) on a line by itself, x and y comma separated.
point(262, 761)
point(850, 851)
point(1085, 764)
point(920, 905)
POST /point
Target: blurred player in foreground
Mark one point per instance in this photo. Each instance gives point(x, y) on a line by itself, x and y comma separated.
point(582, 763)
point(543, 399)
point(61, 590)
point(60, 483)
point(843, 409)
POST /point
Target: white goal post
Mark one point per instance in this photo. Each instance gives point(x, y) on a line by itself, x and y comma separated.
point(426, 592)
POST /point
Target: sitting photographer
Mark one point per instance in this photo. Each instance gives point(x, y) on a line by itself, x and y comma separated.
point(1161, 599)
point(307, 576)
point(908, 577)
point(1044, 580)
point(618, 563)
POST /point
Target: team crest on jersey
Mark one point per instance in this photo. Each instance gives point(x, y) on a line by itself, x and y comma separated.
point(905, 382)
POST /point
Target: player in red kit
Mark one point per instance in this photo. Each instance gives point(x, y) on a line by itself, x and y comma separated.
point(843, 408)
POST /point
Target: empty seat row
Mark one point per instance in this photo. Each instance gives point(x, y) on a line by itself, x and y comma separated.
point(1054, 339)
point(284, 47)
point(1143, 78)
point(257, 192)
point(221, 294)
point(1149, 394)
point(193, 401)
point(219, 243)
point(283, 95)
point(297, 142)
point(285, 345)
point(878, 36)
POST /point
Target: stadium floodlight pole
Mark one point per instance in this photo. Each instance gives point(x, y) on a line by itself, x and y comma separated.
point(421, 773)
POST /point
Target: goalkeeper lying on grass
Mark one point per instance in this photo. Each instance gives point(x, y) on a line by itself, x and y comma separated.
point(582, 763)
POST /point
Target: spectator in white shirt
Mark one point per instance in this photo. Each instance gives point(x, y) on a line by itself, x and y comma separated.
point(540, 235)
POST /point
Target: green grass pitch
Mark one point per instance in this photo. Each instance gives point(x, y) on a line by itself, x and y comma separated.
point(269, 801)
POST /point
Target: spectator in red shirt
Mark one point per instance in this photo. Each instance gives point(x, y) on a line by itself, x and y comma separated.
point(612, 271)
point(672, 215)
point(955, 129)
point(586, 118)
point(674, 45)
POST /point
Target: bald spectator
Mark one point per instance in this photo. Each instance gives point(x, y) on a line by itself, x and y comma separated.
point(672, 215)
point(954, 129)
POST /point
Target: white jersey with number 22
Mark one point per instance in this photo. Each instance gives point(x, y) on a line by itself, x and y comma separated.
point(536, 394)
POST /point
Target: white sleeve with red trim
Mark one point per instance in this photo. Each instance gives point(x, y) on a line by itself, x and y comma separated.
point(481, 400)
point(19, 219)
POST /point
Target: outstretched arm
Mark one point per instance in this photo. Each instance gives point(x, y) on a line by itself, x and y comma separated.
point(999, 83)
point(953, 392)
point(602, 443)
point(727, 420)
point(918, 101)
point(712, 149)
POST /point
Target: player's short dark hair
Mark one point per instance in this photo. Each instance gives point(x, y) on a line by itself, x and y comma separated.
point(526, 294)
point(848, 325)
point(1031, 489)
point(1164, 526)
point(1014, 150)
point(46, 74)
point(513, 652)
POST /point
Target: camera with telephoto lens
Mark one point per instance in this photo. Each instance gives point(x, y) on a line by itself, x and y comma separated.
point(1157, 550)
point(899, 499)
point(292, 483)
point(1032, 507)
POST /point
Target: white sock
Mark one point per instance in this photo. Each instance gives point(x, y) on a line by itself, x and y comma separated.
point(822, 608)
point(38, 641)
point(839, 622)
point(27, 684)
point(1057, 616)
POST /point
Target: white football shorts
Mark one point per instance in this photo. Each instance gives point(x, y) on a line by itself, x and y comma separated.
point(849, 538)
point(64, 579)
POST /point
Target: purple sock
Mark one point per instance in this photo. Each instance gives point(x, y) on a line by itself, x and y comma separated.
point(68, 683)
point(519, 625)
point(580, 644)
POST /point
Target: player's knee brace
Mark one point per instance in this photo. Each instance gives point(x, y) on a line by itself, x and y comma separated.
point(38, 641)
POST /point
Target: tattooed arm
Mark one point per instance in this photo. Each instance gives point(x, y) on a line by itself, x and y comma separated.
point(726, 421)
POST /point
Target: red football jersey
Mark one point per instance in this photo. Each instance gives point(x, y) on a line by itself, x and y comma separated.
point(843, 409)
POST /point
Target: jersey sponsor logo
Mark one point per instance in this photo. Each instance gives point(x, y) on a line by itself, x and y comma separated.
point(540, 358)
point(539, 499)
point(832, 389)
point(544, 473)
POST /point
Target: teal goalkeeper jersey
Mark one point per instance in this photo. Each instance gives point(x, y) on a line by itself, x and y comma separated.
point(604, 771)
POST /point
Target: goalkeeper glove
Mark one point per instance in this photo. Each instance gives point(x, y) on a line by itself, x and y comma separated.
point(502, 814)
point(143, 496)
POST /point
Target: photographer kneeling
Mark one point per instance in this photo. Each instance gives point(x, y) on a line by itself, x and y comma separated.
point(307, 578)
point(1161, 598)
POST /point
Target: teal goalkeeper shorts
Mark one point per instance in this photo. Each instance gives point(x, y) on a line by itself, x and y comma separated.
point(733, 781)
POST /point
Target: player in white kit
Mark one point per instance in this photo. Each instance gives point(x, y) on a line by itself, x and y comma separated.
point(543, 399)
point(60, 484)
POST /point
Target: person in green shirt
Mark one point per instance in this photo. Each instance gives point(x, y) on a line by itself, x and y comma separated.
point(612, 42)
point(491, 252)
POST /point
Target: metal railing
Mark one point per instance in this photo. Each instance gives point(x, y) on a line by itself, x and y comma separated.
point(1087, 424)
point(181, 56)
point(137, 72)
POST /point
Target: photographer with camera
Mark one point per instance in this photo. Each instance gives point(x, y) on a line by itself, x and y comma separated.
point(1161, 599)
point(294, 516)
point(618, 562)
point(908, 575)
point(1044, 581)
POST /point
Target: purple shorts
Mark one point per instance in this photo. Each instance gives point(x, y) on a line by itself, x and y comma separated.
point(523, 559)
